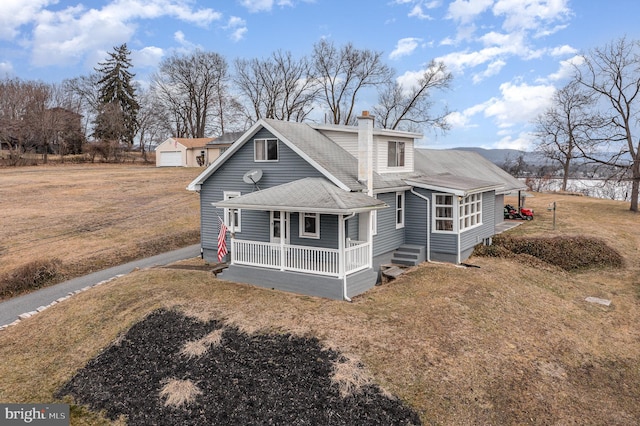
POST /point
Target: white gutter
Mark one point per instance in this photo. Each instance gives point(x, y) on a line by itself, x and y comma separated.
point(428, 227)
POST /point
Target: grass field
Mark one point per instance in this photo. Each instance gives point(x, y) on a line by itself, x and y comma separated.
point(93, 216)
point(509, 342)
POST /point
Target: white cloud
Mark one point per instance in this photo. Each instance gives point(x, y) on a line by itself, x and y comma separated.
point(563, 50)
point(149, 56)
point(16, 13)
point(417, 12)
point(519, 103)
point(567, 68)
point(465, 11)
point(238, 27)
point(492, 69)
point(254, 6)
point(532, 14)
point(68, 35)
point(522, 142)
point(6, 69)
point(405, 47)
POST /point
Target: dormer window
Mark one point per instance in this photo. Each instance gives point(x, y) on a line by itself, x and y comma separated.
point(395, 154)
point(265, 150)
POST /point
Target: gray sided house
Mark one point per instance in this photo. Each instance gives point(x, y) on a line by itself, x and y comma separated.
point(316, 209)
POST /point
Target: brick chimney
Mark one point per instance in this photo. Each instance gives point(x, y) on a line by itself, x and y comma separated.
point(365, 150)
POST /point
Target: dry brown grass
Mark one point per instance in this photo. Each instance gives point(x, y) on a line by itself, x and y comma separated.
point(93, 216)
point(350, 376)
point(196, 348)
point(179, 392)
point(507, 343)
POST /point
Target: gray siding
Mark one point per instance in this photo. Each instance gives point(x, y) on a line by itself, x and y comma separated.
point(416, 218)
point(255, 225)
point(499, 212)
point(388, 237)
point(312, 285)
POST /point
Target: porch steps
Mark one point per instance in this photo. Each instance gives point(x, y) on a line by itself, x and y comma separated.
point(409, 255)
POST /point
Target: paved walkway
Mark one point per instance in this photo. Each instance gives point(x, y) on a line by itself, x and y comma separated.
point(11, 309)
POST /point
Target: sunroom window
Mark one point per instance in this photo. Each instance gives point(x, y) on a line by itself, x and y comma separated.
point(443, 216)
point(470, 211)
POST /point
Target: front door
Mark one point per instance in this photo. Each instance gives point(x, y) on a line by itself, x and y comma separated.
point(279, 227)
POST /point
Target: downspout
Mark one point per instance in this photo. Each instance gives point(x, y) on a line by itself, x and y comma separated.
point(342, 220)
point(428, 228)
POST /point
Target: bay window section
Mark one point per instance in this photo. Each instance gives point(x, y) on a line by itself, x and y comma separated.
point(470, 211)
point(443, 212)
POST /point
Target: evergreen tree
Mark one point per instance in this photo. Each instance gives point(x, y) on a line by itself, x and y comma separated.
point(117, 91)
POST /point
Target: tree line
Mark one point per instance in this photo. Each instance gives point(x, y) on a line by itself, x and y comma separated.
point(199, 94)
point(594, 118)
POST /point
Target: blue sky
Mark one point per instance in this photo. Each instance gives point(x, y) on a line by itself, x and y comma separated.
point(507, 56)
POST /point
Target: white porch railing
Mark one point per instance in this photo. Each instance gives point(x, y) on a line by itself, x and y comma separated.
point(311, 260)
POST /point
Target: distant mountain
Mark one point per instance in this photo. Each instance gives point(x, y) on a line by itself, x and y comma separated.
point(504, 156)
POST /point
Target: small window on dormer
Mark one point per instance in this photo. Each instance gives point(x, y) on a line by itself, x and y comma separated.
point(265, 150)
point(395, 154)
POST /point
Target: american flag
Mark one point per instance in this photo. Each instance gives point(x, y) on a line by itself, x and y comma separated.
point(222, 241)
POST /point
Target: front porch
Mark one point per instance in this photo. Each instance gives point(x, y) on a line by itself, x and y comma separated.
point(353, 257)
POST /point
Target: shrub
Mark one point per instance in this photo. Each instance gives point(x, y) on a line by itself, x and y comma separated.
point(570, 253)
point(30, 276)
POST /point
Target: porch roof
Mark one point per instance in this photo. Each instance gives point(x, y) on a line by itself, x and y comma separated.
point(457, 185)
point(312, 195)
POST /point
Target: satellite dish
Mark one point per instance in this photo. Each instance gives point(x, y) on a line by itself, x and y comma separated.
point(252, 176)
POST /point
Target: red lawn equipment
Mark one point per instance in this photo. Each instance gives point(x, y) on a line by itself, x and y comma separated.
point(510, 212)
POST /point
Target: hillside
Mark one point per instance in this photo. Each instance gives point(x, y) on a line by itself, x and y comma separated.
point(506, 340)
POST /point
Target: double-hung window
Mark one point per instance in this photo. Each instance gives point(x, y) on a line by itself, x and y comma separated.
point(470, 211)
point(443, 212)
point(395, 154)
point(265, 150)
point(309, 225)
point(237, 216)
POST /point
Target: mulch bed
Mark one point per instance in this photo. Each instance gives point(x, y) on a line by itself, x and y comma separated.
point(263, 379)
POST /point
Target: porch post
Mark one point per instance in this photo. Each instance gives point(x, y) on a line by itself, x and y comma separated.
point(283, 225)
point(341, 254)
point(365, 234)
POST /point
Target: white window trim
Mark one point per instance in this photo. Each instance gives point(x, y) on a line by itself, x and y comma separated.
point(286, 229)
point(454, 208)
point(467, 201)
point(458, 203)
point(302, 233)
point(227, 217)
point(400, 209)
point(266, 150)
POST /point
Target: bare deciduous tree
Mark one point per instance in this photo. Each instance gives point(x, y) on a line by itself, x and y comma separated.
point(278, 87)
point(411, 108)
point(343, 74)
point(612, 74)
point(194, 90)
point(569, 123)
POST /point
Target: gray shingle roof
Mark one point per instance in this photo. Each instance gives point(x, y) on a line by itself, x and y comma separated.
point(316, 195)
point(464, 164)
point(459, 185)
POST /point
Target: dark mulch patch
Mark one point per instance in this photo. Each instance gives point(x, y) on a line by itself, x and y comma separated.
point(274, 379)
